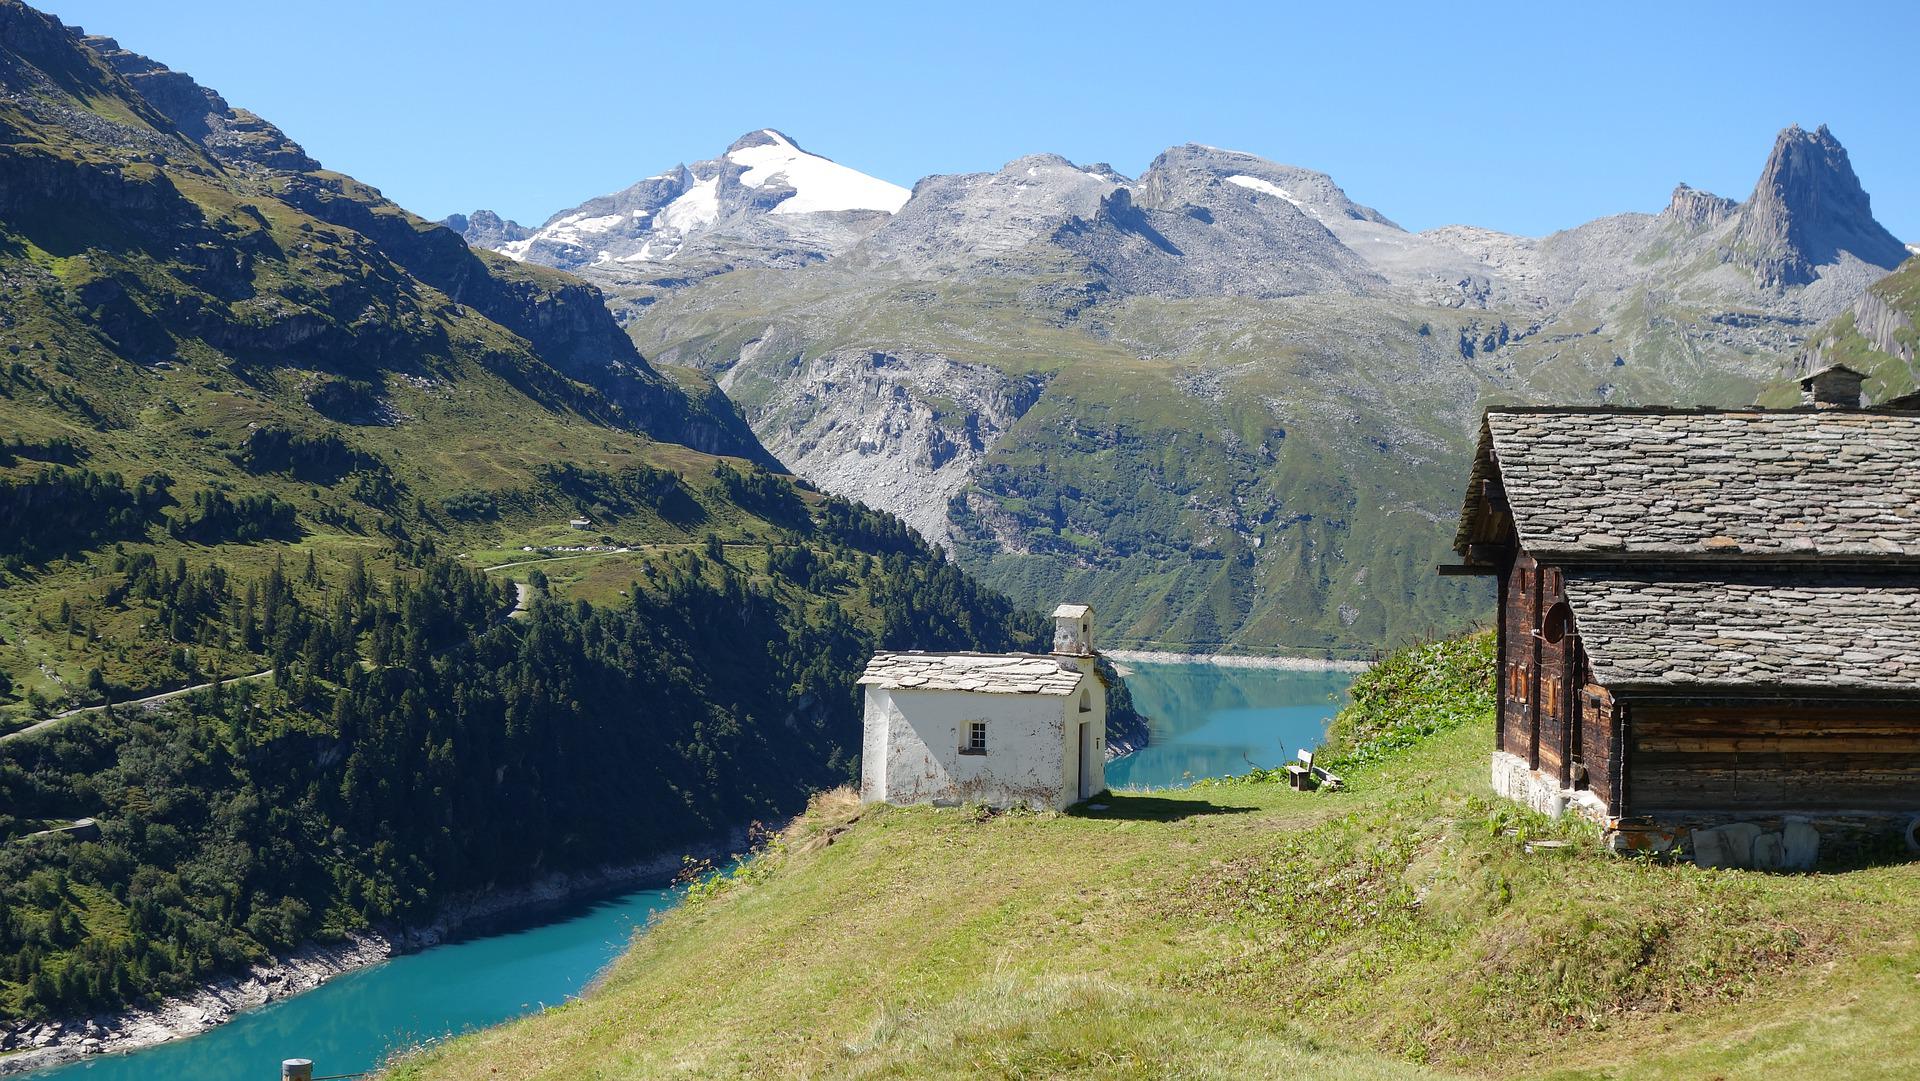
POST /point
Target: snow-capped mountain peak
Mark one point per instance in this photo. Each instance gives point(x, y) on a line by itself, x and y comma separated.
point(820, 185)
point(764, 202)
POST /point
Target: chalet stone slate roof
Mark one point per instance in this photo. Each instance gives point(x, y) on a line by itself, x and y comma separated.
point(1854, 632)
point(1612, 484)
point(984, 673)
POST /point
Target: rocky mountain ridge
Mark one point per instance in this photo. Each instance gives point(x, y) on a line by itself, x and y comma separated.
point(1007, 360)
point(1807, 212)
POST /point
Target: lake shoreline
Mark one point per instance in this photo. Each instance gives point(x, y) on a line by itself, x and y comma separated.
point(1235, 660)
point(30, 1046)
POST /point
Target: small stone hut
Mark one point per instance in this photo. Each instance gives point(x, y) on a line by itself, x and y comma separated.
point(1709, 620)
point(1001, 729)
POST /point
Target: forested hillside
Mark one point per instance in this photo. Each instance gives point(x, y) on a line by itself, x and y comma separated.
point(264, 433)
point(414, 743)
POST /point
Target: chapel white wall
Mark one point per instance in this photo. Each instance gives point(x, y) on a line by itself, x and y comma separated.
point(1096, 715)
point(912, 740)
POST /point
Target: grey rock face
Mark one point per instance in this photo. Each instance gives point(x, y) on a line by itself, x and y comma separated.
point(918, 425)
point(1807, 211)
point(485, 229)
point(1208, 222)
point(1696, 209)
point(235, 136)
point(989, 221)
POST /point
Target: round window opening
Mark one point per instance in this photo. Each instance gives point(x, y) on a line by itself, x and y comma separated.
point(1913, 834)
point(1557, 623)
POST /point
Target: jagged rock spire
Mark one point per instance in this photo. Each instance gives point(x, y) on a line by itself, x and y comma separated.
point(1806, 210)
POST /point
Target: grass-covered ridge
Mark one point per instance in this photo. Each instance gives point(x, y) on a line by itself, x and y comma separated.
point(266, 434)
point(1412, 695)
point(1239, 929)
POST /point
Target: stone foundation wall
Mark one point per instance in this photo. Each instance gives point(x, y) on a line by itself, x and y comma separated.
point(1515, 780)
point(1781, 842)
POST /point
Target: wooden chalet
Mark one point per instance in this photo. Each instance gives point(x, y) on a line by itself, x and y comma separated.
point(1708, 619)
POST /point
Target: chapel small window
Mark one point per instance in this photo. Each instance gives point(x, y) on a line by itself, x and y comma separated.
point(977, 737)
point(1086, 700)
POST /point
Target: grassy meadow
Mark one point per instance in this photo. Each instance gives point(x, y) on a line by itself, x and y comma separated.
point(1401, 928)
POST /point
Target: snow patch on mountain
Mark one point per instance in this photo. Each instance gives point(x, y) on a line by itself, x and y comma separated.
point(1267, 186)
point(698, 206)
point(820, 185)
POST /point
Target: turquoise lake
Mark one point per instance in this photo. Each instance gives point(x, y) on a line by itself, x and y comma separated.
point(1210, 721)
point(1207, 722)
point(352, 1022)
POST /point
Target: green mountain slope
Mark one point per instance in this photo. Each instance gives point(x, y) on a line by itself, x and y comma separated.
point(1878, 335)
point(208, 339)
point(1402, 928)
point(256, 419)
point(1254, 475)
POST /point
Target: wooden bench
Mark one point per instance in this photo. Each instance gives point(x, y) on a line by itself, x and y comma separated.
point(1304, 776)
point(1300, 773)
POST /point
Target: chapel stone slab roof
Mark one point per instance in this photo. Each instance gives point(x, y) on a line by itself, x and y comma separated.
point(1851, 632)
point(984, 673)
point(1717, 484)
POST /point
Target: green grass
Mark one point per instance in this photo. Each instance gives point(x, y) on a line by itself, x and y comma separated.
point(1240, 929)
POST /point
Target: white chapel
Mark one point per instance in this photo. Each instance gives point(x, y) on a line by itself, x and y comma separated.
point(1002, 729)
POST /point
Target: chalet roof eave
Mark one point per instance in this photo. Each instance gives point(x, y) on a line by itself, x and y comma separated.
point(1695, 692)
point(1484, 468)
point(1889, 406)
point(1743, 562)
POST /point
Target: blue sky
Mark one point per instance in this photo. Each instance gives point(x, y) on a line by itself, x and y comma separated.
point(1511, 116)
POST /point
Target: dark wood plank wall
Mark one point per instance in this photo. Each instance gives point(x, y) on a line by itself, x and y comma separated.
point(1540, 681)
point(1651, 756)
point(1551, 701)
point(1500, 660)
point(1779, 756)
point(1596, 734)
point(1519, 666)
